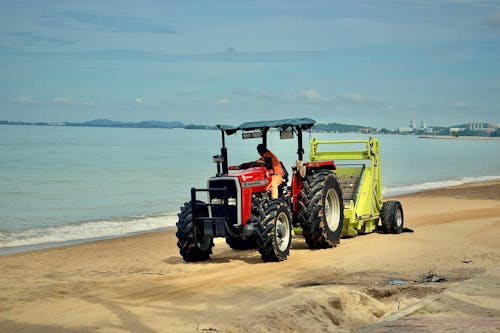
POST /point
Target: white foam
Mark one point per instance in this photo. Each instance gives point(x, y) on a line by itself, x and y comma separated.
point(397, 190)
point(88, 230)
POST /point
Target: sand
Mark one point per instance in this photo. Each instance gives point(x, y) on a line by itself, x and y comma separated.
point(444, 275)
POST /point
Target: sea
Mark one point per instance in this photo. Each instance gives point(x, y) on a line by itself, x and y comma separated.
point(65, 185)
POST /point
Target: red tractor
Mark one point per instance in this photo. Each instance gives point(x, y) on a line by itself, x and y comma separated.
point(240, 209)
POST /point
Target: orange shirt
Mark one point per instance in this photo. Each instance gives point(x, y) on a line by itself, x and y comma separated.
point(277, 169)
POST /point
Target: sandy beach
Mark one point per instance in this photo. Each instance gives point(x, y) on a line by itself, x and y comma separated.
point(444, 275)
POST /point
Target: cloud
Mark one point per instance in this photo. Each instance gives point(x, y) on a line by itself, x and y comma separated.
point(63, 100)
point(71, 102)
point(352, 97)
point(34, 39)
point(313, 96)
point(138, 101)
point(306, 96)
point(223, 101)
point(110, 23)
point(68, 101)
point(187, 93)
point(494, 19)
point(25, 100)
point(160, 56)
point(278, 97)
point(462, 105)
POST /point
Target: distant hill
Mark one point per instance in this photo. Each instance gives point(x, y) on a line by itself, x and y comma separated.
point(330, 127)
point(103, 123)
point(336, 127)
point(200, 127)
point(485, 125)
point(141, 124)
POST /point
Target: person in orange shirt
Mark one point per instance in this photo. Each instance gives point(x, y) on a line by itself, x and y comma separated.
point(276, 168)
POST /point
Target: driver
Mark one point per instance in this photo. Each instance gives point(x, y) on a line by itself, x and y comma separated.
point(273, 164)
point(276, 169)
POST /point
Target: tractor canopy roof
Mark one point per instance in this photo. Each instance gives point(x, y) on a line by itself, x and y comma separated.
point(302, 123)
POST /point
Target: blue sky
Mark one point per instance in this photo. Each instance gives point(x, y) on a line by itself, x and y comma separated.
point(374, 63)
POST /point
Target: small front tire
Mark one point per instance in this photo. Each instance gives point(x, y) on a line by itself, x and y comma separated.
point(193, 245)
point(275, 232)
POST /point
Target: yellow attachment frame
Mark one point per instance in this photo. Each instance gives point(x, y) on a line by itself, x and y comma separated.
point(361, 183)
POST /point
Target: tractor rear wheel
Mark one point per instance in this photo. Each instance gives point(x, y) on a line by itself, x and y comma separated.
point(237, 243)
point(321, 210)
point(392, 217)
point(275, 232)
point(193, 245)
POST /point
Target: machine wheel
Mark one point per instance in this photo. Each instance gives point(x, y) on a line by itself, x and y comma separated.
point(193, 245)
point(392, 217)
point(241, 244)
point(275, 232)
point(321, 210)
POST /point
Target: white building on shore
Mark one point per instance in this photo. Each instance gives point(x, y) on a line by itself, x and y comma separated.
point(413, 128)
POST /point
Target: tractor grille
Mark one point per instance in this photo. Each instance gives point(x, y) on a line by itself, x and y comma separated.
point(217, 197)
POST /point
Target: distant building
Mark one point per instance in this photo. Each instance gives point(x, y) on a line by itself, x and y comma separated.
point(405, 130)
point(456, 129)
point(413, 128)
point(476, 126)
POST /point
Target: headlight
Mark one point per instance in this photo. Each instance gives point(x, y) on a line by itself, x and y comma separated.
point(218, 201)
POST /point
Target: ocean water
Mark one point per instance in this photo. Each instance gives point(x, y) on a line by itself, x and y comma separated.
point(62, 185)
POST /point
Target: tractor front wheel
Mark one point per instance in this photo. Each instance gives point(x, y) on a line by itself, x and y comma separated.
point(193, 245)
point(321, 210)
point(392, 217)
point(275, 232)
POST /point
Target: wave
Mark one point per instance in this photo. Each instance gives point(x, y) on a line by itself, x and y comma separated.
point(36, 238)
point(397, 190)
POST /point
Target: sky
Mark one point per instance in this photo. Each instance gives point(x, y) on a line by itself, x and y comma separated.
point(371, 63)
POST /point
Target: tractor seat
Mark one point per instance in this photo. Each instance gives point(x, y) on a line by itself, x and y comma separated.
point(282, 188)
point(285, 173)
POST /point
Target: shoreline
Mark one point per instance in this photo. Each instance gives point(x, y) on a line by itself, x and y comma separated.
point(51, 245)
point(450, 137)
point(393, 192)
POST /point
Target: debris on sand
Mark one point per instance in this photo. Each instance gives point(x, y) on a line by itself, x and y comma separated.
point(397, 282)
point(431, 277)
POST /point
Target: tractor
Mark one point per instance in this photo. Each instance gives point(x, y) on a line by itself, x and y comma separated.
point(239, 206)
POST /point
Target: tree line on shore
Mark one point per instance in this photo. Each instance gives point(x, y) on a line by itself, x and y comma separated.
point(493, 131)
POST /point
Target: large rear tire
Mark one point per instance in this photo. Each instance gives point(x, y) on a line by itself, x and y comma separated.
point(275, 232)
point(193, 245)
point(392, 217)
point(321, 210)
